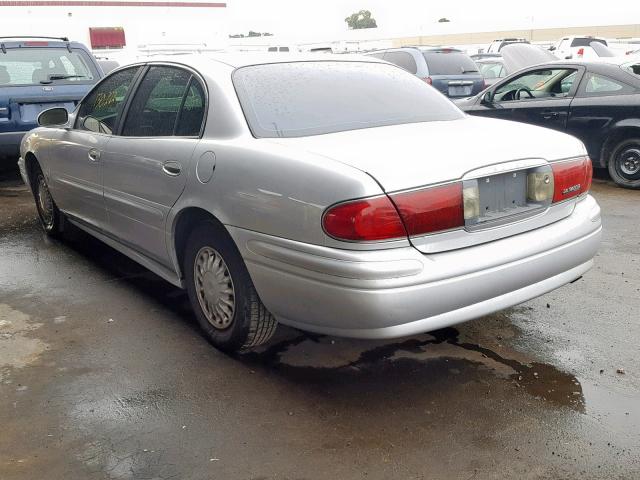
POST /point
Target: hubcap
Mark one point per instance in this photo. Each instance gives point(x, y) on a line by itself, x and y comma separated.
point(214, 288)
point(629, 161)
point(45, 203)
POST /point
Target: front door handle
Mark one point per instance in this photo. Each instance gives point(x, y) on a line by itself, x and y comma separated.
point(172, 168)
point(94, 155)
point(550, 115)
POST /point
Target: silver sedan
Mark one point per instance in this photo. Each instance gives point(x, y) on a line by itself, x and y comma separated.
point(339, 195)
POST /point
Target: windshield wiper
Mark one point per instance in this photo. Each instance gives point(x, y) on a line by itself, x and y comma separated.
point(469, 71)
point(58, 76)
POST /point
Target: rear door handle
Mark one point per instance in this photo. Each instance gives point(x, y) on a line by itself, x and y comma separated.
point(94, 155)
point(550, 115)
point(172, 168)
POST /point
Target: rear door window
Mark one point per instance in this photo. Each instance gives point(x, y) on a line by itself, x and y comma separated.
point(192, 113)
point(100, 111)
point(46, 65)
point(403, 60)
point(165, 103)
point(453, 63)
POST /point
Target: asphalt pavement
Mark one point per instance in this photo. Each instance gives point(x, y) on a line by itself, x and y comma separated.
point(104, 375)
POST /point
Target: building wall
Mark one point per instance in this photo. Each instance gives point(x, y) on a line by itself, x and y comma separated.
point(143, 22)
point(534, 35)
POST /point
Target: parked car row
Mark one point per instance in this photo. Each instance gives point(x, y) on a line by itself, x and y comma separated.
point(448, 70)
point(595, 97)
point(596, 101)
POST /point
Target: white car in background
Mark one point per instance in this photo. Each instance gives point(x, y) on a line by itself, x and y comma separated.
point(576, 47)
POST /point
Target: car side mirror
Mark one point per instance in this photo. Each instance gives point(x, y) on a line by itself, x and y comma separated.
point(487, 98)
point(53, 117)
point(552, 48)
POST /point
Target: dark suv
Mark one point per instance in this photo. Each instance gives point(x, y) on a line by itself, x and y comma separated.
point(449, 70)
point(37, 73)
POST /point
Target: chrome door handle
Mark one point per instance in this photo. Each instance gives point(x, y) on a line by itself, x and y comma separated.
point(172, 168)
point(548, 115)
point(94, 155)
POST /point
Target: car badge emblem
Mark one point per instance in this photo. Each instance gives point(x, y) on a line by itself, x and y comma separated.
point(571, 189)
point(47, 89)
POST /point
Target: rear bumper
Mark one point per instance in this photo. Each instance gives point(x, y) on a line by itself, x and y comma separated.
point(23, 171)
point(10, 143)
point(397, 292)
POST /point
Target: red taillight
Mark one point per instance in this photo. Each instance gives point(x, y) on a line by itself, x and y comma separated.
point(364, 220)
point(407, 213)
point(431, 209)
point(36, 44)
point(428, 80)
point(571, 178)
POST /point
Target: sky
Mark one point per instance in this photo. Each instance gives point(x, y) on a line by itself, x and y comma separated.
point(298, 19)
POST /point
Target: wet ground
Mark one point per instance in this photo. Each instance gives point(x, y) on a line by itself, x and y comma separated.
point(104, 375)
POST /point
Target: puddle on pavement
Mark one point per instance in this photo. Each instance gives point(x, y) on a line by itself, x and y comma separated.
point(320, 360)
point(17, 348)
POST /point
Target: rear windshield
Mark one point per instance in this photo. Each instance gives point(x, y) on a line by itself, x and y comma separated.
point(36, 66)
point(454, 63)
point(586, 42)
point(313, 98)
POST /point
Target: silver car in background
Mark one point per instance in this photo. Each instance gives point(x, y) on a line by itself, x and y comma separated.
point(339, 195)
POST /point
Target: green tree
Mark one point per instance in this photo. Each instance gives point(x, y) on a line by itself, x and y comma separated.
point(361, 19)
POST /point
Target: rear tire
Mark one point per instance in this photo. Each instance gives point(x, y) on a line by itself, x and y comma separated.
point(50, 217)
point(221, 292)
point(624, 163)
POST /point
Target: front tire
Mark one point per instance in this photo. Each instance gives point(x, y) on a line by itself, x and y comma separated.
point(50, 216)
point(221, 292)
point(624, 163)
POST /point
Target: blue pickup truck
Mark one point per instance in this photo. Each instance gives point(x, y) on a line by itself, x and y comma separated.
point(37, 73)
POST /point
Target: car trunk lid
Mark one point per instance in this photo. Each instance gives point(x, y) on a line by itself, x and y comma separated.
point(413, 156)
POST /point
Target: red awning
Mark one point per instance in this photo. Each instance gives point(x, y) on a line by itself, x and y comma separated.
point(107, 37)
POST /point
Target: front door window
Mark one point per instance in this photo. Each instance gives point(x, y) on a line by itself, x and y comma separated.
point(100, 111)
point(543, 83)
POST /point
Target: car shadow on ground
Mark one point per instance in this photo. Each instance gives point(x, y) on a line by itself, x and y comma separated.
point(351, 367)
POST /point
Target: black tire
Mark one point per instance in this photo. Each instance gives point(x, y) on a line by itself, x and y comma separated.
point(624, 163)
point(51, 219)
point(250, 323)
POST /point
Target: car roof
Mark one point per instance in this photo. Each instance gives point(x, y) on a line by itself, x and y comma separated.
point(245, 59)
point(38, 42)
